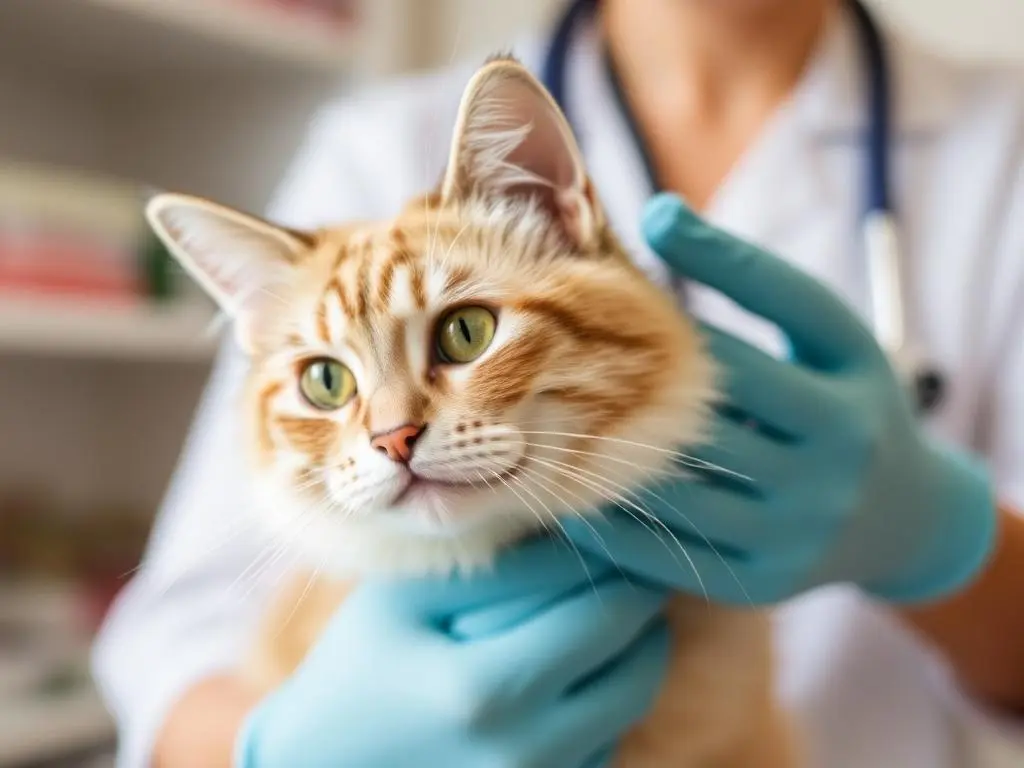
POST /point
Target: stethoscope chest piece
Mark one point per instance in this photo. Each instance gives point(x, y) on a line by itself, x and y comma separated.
point(926, 384)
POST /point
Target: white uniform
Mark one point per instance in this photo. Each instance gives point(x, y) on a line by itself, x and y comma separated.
point(867, 694)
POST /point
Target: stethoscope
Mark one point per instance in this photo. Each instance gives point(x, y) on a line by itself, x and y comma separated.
point(925, 382)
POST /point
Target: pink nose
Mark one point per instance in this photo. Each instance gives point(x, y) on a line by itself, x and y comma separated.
point(397, 443)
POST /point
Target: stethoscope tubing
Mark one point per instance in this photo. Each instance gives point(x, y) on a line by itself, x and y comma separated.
point(879, 223)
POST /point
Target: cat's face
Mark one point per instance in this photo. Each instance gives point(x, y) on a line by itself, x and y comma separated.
point(426, 389)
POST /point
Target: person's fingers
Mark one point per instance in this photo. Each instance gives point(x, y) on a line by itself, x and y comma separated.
point(543, 566)
point(551, 652)
point(823, 330)
point(602, 758)
point(693, 563)
point(583, 728)
point(620, 696)
point(493, 619)
point(784, 397)
point(740, 455)
point(670, 515)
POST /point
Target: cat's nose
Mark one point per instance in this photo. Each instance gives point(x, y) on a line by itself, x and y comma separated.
point(398, 443)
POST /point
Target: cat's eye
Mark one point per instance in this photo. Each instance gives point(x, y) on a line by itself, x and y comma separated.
point(327, 384)
point(465, 334)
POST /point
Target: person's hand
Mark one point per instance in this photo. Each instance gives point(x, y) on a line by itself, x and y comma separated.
point(835, 479)
point(532, 664)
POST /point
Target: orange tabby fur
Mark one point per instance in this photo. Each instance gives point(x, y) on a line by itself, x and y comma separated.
point(584, 341)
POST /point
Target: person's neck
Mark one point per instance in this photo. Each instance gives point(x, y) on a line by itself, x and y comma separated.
point(710, 56)
point(703, 76)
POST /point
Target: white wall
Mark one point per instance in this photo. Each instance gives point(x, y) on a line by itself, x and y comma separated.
point(986, 28)
point(993, 28)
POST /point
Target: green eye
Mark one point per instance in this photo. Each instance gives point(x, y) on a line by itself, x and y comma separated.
point(327, 384)
point(464, 334)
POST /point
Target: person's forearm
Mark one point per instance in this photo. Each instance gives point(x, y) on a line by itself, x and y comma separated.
point(201, 728)
point(980, 630)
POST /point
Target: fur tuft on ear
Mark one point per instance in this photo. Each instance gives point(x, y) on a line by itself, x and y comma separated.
point(512, 140)
point(237, 258)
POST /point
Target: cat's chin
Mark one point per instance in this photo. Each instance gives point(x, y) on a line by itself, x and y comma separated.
point(354, 551)
point(410, 541)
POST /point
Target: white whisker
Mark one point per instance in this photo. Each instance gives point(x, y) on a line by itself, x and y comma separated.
point(687, 460)
point(554, 519)
point(550, 486)
point(573, 474)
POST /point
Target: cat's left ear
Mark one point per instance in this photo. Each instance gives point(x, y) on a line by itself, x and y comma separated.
point(237, 258)
point(511, 139)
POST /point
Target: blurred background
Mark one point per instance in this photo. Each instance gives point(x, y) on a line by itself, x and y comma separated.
point(103, 348)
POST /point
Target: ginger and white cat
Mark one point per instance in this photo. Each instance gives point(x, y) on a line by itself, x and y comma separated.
point(426, 390)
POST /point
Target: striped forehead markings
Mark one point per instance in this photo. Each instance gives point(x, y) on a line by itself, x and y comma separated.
point(367, 280)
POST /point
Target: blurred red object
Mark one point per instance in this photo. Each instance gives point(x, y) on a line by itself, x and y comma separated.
point(335, 12)
point(61, 264)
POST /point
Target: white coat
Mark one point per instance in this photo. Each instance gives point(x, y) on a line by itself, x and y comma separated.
point(866, 693)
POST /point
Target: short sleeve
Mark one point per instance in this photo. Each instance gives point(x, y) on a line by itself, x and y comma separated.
point(181, 618)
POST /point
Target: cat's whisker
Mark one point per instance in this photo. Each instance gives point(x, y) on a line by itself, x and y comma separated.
point(455, 239)
point(268, 292)
point(548, 420)
point(619, 499)
point(554, 519)
point(564, 535)
point(238, 525)
point(305, 486)
point(266, 550)
point(504, 481)
point(653, 475)
point(302, 597)
point(282, 551)
point(553, 488)
point(256, 567)
point(649, 472)
point(683, 458)
point(278, 546)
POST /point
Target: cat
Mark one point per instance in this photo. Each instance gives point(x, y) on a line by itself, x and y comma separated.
point(427, 390)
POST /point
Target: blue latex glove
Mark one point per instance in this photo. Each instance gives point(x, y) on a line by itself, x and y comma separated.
point(533, 664)
point(843, 485)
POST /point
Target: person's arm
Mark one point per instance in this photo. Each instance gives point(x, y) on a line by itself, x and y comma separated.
point(178, 621)
point(201, 728)
point(980, 630)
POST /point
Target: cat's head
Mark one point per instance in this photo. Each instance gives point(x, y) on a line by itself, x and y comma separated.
point(426, 389)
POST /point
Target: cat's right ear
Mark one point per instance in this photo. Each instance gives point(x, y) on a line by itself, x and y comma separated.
point(237, 258)
point(512, 141)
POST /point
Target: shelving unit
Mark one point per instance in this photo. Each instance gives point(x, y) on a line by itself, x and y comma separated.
point(61, 723)
point(119, 42)
point(88, 330)
point(206, 96)
point(48, 730)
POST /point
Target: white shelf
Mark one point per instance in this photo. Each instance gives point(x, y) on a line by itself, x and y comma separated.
point(35, 726)
point(56, 327)
point(151, 42)
point(38, 729)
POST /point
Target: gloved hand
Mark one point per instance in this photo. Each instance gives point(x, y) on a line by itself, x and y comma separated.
point(533, 664)
point(839, 482)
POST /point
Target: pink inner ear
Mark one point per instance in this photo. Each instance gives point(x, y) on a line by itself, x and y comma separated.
point(544, 152)
point(547, 155)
